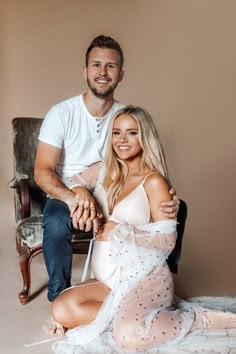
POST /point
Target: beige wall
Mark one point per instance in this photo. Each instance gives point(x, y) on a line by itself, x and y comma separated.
point(180, 64)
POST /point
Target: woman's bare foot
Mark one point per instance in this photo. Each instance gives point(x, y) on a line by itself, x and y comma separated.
point(52, 327)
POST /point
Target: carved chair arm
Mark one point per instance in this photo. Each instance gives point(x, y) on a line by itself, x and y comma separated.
point(20, 183)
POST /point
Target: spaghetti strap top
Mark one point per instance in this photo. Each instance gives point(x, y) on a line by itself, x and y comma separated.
point(134, 209)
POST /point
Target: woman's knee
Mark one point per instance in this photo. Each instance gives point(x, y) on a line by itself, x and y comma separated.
point(70, 311)
point(58, 311)
point(61, 310)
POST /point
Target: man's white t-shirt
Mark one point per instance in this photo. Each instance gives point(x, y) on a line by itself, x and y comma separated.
point(80, 136)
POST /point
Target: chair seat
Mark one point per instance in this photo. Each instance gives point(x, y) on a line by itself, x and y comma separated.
point(29, 231)
point(29, 238)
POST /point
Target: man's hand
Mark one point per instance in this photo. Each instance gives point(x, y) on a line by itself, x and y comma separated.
point(83, 210)
point(170, 209)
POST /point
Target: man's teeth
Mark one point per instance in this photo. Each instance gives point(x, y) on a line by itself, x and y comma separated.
point(102, 81)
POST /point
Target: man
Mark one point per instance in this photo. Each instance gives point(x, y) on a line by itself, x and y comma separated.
point(71, 138)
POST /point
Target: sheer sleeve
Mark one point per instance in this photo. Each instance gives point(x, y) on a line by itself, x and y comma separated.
point(87, 178)
point(161, 234)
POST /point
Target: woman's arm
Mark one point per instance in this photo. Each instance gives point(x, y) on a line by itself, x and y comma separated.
point(157, 191)
point(88, 178)
point(160, 235)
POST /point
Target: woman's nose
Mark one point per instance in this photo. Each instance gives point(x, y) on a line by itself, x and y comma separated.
point(123, 137)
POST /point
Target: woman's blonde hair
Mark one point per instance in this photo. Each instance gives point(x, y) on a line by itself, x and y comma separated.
point(152, 152)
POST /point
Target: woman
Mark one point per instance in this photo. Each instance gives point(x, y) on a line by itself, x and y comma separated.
point(129, 306)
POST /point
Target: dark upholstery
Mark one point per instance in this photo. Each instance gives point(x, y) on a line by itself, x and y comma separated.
point(29, 201)
point(25, 136)
point(174, 257)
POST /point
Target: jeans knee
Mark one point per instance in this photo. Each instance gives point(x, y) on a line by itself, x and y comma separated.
point(57, 221)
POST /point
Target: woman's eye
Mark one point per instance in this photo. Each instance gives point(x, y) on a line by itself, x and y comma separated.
point(115, 133)
point(133, 133)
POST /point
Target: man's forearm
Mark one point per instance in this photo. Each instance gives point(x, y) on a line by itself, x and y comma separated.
point(50, 183)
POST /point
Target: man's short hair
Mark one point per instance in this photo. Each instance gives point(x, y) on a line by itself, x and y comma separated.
point(105, 42)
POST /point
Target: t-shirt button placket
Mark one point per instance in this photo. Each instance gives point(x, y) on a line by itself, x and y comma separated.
point(97, 131)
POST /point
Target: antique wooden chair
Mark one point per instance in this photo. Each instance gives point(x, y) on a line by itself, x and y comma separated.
point(29, 200)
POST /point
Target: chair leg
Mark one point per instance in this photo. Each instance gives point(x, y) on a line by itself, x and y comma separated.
point(25, 258)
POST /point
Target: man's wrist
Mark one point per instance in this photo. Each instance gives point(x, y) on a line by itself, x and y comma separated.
point(68, 197)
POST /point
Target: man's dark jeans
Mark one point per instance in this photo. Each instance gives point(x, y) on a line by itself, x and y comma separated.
point(57, 246)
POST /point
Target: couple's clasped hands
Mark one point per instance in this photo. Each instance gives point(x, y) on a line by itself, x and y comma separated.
point(83, 211)
point(86, 216)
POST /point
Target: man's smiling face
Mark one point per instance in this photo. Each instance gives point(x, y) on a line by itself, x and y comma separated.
point(103, 71)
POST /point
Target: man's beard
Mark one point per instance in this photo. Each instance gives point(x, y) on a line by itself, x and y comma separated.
point(103, 94)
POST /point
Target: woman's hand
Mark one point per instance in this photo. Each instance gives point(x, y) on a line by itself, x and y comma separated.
point(105, 230)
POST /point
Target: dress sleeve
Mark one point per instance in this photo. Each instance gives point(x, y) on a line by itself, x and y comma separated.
point(161, 235)
point(87, 178)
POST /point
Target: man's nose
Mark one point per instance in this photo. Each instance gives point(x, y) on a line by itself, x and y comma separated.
point(103, 70)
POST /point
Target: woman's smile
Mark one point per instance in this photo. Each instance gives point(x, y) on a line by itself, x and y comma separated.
point(125, 137)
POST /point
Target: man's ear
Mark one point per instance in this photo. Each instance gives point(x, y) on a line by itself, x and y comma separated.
point(85, 72)
point(121, 75)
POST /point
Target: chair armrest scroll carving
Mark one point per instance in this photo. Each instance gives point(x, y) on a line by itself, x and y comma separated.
point(14, 182)
point(20, 183)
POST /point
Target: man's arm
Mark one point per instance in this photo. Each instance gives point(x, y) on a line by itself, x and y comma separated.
point(46, 178)
point(170, 208)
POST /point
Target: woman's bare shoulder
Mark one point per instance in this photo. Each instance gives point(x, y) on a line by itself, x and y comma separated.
point(157, 187)
point(155, 180)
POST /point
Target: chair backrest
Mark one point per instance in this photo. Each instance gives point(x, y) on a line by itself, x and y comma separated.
point(174, 257)
point(25, 140)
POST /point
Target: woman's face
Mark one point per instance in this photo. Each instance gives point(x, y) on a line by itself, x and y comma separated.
point(125, 138)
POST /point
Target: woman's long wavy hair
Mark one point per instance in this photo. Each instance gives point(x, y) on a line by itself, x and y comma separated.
point(152, 152)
